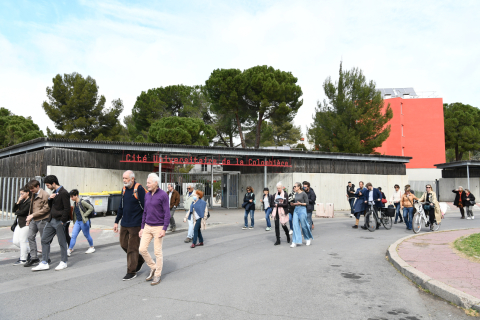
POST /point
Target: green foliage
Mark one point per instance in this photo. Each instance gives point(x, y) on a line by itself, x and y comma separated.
point(271, 94)
point(79, 112)
point(16, 129)
point(353, 119)
point(273, 134)
point(179, 130)
point(470, 245)
point(183, 168)
point(301, 146)
point(462, 128)
point(177, 100)
point(217, 187)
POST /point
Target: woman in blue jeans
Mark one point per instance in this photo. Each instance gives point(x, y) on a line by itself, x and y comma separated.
point(300, 218)
point(407, 204)
point(82, 210)
point(267, 204)
point(249, 205)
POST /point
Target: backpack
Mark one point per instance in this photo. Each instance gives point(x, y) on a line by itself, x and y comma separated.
point(135, 193)
point(93, 213)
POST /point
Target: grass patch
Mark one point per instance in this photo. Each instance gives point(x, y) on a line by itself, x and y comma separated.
point(470, 246)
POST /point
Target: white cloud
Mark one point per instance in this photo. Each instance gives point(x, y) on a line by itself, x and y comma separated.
point(429, 45)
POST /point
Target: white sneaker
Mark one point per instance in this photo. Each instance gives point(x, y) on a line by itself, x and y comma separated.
point(351, 215)
point(268, 229)
point(90, 250)
point(62, 265)
point(41, 266)
point(473, 217)
point(69, 252)
point(468, 218)
point(308, 242)
point(293, 245)
point(291, 232)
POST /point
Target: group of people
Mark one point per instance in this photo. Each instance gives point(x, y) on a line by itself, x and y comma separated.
point(295, 209)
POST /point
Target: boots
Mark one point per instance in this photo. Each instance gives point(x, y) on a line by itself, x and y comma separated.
point(287, 233)
point(277, 242)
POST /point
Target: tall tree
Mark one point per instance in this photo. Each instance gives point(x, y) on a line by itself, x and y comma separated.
point(16, 129)
point(462, 128)
point(225, 89)
point(275, 134)
point(79, 112)
point(179, 130)
point(271, 94)
point(176, 100)
point(353, 119)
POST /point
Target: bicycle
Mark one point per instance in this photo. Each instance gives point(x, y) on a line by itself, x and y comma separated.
point(419, 216)
point(372, 220)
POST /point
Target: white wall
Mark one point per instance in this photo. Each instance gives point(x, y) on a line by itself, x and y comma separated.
point(329, 187)
point(93, 180)
point(424, 174)
point(448, 184)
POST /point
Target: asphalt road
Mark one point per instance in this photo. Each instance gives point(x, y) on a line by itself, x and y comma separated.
point(238, 274)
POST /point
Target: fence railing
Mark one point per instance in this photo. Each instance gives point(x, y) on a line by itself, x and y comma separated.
point(9, 192)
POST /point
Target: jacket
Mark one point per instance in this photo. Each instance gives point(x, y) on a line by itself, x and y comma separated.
point(88, 209)
point(407, 200)
point(60, 206)
point(376, 195)
point(175, 200)
point(360, 204)
point(433, 199)
point(246, 201)
point(271, 201)
point(201, 210)
point(396, 196)
point(21, 212)
point(130, 210)
point(312, 197)
point(291, 199)
point(457, 198)
point(39, 205)
point(471, 197)
point(351, 191)
point(187, 201)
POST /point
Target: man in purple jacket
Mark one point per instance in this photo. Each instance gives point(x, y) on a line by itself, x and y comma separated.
point(155, 221)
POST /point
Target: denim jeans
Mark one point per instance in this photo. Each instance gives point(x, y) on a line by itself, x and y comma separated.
point(290, 216)
point(268, 211)
point(197, 231)
point(85, 227)
point(300, 218)
point(352, 202)
point(309, 219)
point(397, 211)
point(190, 226)
point(251, 217)
point(408, 217)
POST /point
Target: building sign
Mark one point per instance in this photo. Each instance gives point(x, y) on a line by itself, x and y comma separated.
point(248, 162)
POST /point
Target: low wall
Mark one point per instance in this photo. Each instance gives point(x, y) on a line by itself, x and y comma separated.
point(329, 187)
point(92, 179)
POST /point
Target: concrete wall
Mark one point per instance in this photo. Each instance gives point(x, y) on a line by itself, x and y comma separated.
point(448, 184)
point(329, 187)
point(91, 179)
point(424, 174)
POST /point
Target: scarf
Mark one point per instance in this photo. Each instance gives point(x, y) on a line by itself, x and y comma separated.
point(280, 210)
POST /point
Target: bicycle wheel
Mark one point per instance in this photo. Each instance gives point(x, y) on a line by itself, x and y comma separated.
point(370, 221)
point(417, 222)
point(387, 222)
point(436, 226)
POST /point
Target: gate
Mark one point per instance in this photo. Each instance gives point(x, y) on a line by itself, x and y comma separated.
point(230, 190)
point(9, 192)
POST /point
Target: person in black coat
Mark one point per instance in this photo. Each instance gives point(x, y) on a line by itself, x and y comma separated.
point(249, 205)
point(20, 234)
point(312, 197)
point(460, 200)
point(469, 203)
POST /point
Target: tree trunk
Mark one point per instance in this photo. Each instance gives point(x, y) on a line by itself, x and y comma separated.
point(240, 133)
point(259, 129)
point(231, 141)
point(456, 153)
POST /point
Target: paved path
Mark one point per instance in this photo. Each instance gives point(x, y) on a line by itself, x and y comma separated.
point(238, 274)
point(433, 254)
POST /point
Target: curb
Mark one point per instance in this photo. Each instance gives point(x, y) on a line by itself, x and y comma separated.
point(436, 287)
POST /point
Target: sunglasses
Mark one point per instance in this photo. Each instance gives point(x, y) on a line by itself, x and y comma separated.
point(429, 187)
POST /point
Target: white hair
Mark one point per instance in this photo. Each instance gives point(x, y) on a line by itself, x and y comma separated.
point(154, 177)
point(279, 184)
point(460, 187)
point(189, 185)
point(130, 173)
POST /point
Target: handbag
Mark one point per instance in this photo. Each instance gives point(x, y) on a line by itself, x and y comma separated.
point(472, 202)
point(427, 207)
point(414, 209)
point(384, 200)
point(14, 225)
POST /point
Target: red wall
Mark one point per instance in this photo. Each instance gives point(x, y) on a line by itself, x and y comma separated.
point(423, 131)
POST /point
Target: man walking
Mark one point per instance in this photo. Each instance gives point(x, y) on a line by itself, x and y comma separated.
point(187, 201)
point(374, 198)
point(59, 203)
point(37, 219)
point(351, 197)
point(155, 220)
point(359, 207)
point(174, 201)
point(311, 202)
point(130, 212)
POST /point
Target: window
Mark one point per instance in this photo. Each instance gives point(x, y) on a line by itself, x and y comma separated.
point(204, 167)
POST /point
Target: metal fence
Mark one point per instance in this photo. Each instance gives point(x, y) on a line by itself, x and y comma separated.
point(419, 187)
point(9, 192)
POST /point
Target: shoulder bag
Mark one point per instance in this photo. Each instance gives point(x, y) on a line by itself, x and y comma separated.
point(414, 209)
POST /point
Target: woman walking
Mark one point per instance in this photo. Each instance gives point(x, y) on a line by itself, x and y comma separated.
point(460, 200)
point(82, 210)
point(291, 199)
point(249, 205)
point(199, 212)
point(20, 233)
point(280, 213)
point(300, 216)
point(407, 207)
point(268, 204)
point(395, 199)
point(431, 206)
point(470, 203)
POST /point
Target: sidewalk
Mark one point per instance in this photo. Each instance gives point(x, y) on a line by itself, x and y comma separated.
point(430, 261)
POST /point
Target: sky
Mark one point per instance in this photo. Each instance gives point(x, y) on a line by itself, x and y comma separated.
point(132, 46)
